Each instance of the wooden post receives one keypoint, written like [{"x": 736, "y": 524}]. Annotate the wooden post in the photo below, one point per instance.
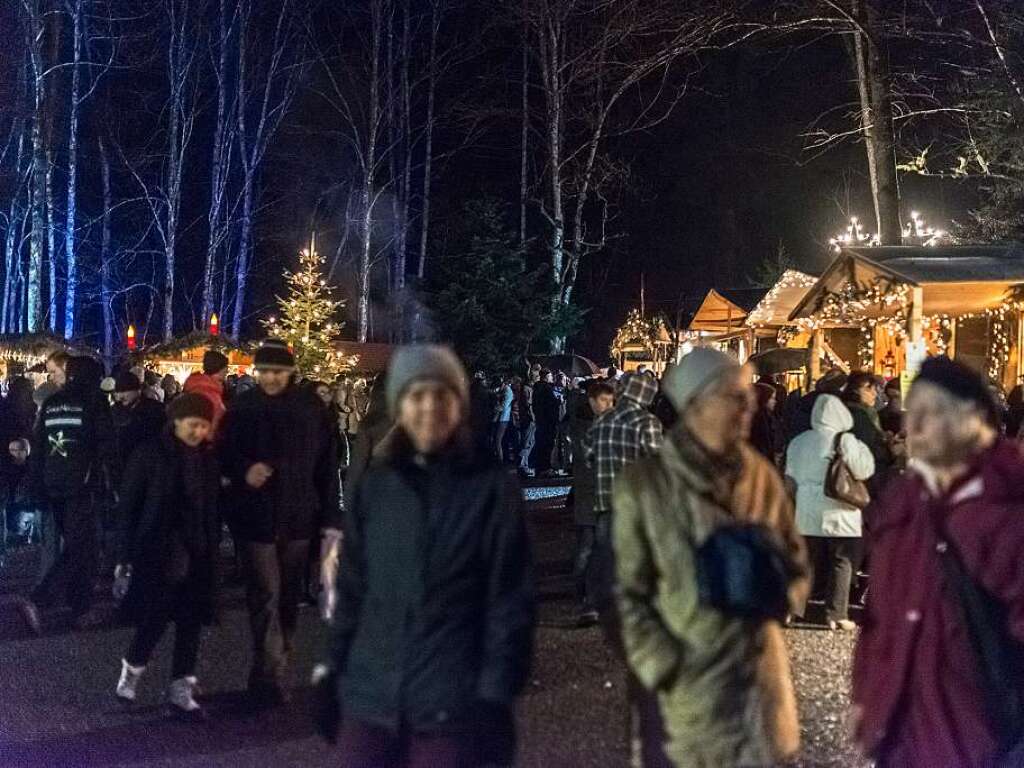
[
  {"x": 916, "y": 310},
  {"x": 814, "y": 365}
]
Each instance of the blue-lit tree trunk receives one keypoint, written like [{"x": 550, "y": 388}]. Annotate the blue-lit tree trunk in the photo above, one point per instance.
[
  {"x": 70, "y": 240},
  {"x": 33, "y": 311},
  {"x": 106, "y": 266},
  {"x": 51, "y": 245},
  {"x": 15, "y": 224},
  {"x": 223, "y": 141}
]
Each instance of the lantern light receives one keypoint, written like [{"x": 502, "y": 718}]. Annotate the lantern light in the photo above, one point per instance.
[
  {"x": 214, "y": 325},
  {"x": 131, "y": 337}
]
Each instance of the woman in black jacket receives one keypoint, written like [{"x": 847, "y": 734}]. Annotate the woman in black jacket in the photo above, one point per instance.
[
  {"x": 169, "y": 502},
  {"x": 433, "y": 628}
]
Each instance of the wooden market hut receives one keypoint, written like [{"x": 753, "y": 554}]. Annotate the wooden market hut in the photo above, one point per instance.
[
  {"x": 183, "y": 356},
  {"x": 21, "y": 353},
  {"x": 964, "y": 301},
  {"x": 719, "y": 319},
  {"x": 642, "y": 342},
  {"x": 781, "y": 346}
]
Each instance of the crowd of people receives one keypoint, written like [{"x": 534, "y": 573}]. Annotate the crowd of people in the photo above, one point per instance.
[{"x": 711, "y": 510}]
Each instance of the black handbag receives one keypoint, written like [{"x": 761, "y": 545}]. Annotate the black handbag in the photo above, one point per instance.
[
  {"x": 743, "y": 572},
  {"x": 999, "y": 657}
]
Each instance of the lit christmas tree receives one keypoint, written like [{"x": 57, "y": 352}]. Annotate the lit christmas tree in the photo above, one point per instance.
[{"x": 307, "y": 322}]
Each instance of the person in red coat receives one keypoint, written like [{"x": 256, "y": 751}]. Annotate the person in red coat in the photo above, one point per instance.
[
  {"x": 919, "y": 699},
  {"x": 210, "y": 384}
]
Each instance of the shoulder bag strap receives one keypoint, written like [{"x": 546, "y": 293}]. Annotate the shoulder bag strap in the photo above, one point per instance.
[{"x": 991, "y": 644}]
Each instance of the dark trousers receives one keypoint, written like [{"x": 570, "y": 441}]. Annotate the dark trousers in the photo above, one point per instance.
[
  {"x": 187, "y": 631},
  {"x": 367, "y": 746},
  {"x": 834, "y": 561},
  {"x": 73, "y": 574},
  {"x": 527, "y": 441},
  {"x": 498, "y": 430},
  {"x": 544, "y": 444},
  {"x": 647, "y": 735},
  {"x": 586, "y": 536},
  {"x": 273, "y": 575}
]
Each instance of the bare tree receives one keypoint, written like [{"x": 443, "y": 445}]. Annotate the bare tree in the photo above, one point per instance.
[
  {"x": 353, "y": 73},
  {"x": 163, "y": 195},
  {"x": 269, "y": 69},
  {"x": 876, "y": 119},
  {"x": 34, "y": 23},
  {"x": 20, "y": 170},
  {"x": 221, "y": 151},
  {"x": 434, "y": 64},
  {"x": 592, "y": 58}
]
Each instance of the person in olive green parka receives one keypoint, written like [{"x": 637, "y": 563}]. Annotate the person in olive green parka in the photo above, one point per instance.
[{"x": 722, "y": 685}]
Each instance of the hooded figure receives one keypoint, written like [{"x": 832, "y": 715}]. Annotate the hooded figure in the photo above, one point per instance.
[
  {"x": 210, "y": 384},
  {"x": 831, "y": 528}
]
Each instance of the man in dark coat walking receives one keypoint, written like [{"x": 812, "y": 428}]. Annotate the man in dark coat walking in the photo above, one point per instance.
[
  {"x": 137, "y": 420},
  {"x": 279, "y": 455},
  {"x": 72, "y": 451}
]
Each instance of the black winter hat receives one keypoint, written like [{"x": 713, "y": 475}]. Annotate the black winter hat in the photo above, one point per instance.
[
  {"x": 127, "y": 381},
  {"x": 961, "y": 382},
  {"x": 189, "y": 405},
  {"x": 214, "y": 362},
  {"x": 274, "y": 355}
]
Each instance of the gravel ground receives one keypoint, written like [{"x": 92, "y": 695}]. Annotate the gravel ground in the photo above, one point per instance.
[{"x": 61, "y": 713}]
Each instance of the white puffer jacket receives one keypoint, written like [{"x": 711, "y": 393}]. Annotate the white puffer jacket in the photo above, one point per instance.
[{"x": 807, "y": 460}]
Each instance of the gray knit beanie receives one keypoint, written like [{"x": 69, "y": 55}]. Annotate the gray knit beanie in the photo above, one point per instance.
[
  {"x": 694, "y": 373},
  {"x": 424, "y": 361}
]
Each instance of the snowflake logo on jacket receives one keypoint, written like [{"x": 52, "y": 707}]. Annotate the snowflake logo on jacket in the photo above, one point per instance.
[{"x": 59, "y": 445}]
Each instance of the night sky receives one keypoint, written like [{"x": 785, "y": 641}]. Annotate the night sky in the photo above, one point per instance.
[{"x": 715, "y": 189}]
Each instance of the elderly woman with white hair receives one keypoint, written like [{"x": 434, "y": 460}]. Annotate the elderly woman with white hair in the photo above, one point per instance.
[{"x": 707, "y": 648}]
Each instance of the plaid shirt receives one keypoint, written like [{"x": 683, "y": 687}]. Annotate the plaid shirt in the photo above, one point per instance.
[{"x": 624, "y": 434}]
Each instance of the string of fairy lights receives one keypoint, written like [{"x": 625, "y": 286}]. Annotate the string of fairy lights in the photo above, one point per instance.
[
  {"x": 914, "y": 232},
  {"x": 850, "y": 306}
]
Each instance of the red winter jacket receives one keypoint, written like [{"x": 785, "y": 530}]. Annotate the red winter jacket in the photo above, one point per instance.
[
  {"x": 213, "y": 390},
  {"x": 915, "y": 676}
]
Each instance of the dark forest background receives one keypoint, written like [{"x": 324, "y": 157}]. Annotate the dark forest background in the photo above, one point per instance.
[{"x": 161, "y": 160}]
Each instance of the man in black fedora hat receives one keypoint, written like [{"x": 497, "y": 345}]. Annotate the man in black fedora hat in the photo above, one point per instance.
[{"x": 280, "y": 459}]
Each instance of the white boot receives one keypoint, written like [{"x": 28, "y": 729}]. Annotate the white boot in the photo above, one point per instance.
[
  {"x": 181, "y": 696},
  {"x": 129, "y": 681}
]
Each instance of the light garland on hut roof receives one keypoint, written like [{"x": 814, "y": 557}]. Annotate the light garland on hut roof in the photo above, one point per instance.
[{"x": 765, "y": 309}]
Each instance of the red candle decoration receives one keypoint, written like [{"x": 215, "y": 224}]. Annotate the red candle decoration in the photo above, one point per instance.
[
  {"x": 131, "y": 337},
  {"x": 214, "y": 325}
]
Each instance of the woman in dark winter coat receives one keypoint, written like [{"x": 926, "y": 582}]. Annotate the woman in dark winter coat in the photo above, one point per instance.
[
  {"x": 169, "y": 502},
  {"x": 435, "y": 611},
  {"x": 18, "y": 412},
  {"x": 860, "y": 396},
  {"x": 763, "y": 425}
]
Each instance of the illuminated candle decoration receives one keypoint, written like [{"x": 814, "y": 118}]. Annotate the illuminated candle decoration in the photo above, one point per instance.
[{"x": 131, "y": 337}]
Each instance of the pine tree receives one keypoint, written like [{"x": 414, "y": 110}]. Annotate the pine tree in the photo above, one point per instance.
[
  {"x": 307, "y": 322},
  {"x": 485, "y": 300}
]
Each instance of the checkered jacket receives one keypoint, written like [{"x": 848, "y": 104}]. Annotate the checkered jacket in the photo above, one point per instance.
[{"x": 622, "y": 435}]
